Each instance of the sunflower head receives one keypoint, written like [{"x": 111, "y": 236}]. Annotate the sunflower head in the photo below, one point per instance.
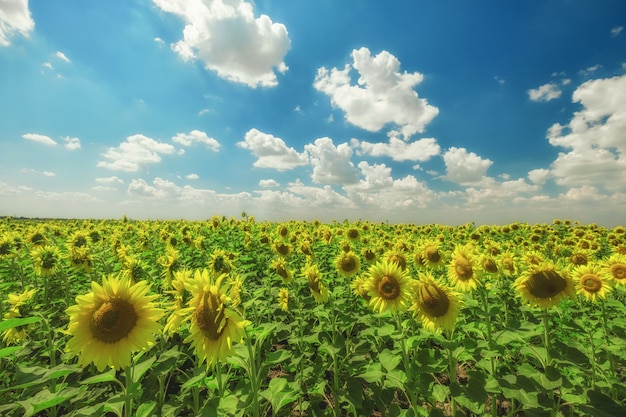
[
  {"x": 591, "y": 281},
  {"x": 615, "y": 266},
  {"x": 462, "y": 271},
  {"x": 347, "y": 263},
  {"x": 283, "y": 299},
  {"x": 388, "y": 287},
  {"x": 280, "y": 266},
  {"x": 113, "y": 320},
  {"x": 397, "y": 257},
  {"x": 431, "y": 255},
  {"x": 47, "y": 259},
  {"x": 436, "y": 304},
  {"x": 542, "y": 285}
]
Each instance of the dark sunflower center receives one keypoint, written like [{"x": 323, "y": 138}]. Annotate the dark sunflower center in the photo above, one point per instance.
[
  {"x": 369, "y": 254},
  {"x": 618, "y": 271},
  {"x": 282, "y": 249},
  {"x": 113, "y": 321},
  {"x": 37, "y": 239},
  {"x": 434, "y": 300},
  {"x": 314, "y": 285},
  {"x": 80, "y": 241},
  {"x": 432, "y": 254},
  {"x": 210, "y": 317},
  {"x": 463, "y": 269},
  {"x": 48, "y": 260},
  {"x": 546, "y": 284},
  {"x": 490, "y": 266},
  {"x": 579, "y": 259},
  {"x": 5, "y": 248},
  {"x": 353, "y": 234},
  {"x": 591, "y": 283},
  {"x": 399, "y": 259},
  {"x": 348, "y": 264},
  {"x": 282, "y": 272},
  {"x": 388, "y": 288}
]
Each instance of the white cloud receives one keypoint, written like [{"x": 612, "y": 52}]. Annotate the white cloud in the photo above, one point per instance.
[
  {"x": 110, "y": 180},
  {"x": 71, "y": 144},
  {"x": 160, "y": 41},
  {"x": 595, "y": 137},
  {"x": 188, "y": 139},
  {"x": 617, "y": 30},
  {"x": 545, "y": 92},
  {"x": 14, "y": 18},
  {"x": 34, "y": 171},
  {"x": 192, "y": 176},
  {"x": 331, "y": 165},
  {"x": 161, "y": 189},
  {"x": 228, "y": 39},
  {"x": 420, "y": 150},
  {"x": 381, "y": 191},
  {"x": 35, "y": 137},
  {"x": 137, "y": 151},
  {"x": 463, "y": 167},
  {"x": 269, "y": 183},
  {"x": 539, "y": 176},
  {"x": 62, "y": 57},
  {"x": 47, "y": 65},
  {"x": 271, "y": 152},
  {"x": 382, "y": 95}
]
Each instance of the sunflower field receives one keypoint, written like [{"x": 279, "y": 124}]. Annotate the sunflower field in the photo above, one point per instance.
[{"x": 238, "y": 317}]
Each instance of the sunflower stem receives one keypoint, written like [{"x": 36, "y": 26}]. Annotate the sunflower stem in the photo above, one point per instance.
[
  {"x": 452, "y": 363},
  {"x": 253, "y": 375},
  {"x": 483, "y": 297},
  {"x": 128, "y": 391},
  {"x": 546, "y": 337},
  {"x": 605, "y": 327}
]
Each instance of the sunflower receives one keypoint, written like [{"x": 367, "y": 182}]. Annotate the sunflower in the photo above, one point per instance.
[
  {"x": 319, "y": 291},
  {"x": 436, "y": 304},
  {"x": 462, "y": 271},
  {"x": 369, "y": 255},
  {"x": 214, "y": 326},
  {"x": 111, "y": 321},
  {"x": 6, "y": 245},
  {"x": 236, "y": 283},
  {"x": 591, "y": 281},
  {"x": 396, "y": 256},
  {"x": 388, "y": 287},
  {"x": 179, "y": 291},
  {"x": 359, "y": 288},
  {"x": 347, "y": 263},
  {"x": 281, "y": 248},
  {"x": 430, "y": 255},
  {"x": 16, "y": 335},
  {"x": 615, "y": 266},
  {"x": 280, "y": 266},
  {"x": 170, "y": 262},
  {"x": 283, "y": 299},
  {"x": 220, "y": 262},
  {"x": 543, "y": 285},
  {"x": 46, "y": 259}
]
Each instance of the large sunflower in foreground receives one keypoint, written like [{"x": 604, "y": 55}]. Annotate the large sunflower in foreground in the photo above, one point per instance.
[
  {"x": 113, "y": 320},
  {"x": 592, "y": 281},
  {"x": 436, "y": 304},
  {"x": 214, "y": 325},
  {"x": 542, "y": 285},
  {"x": 388, "y": 286}
]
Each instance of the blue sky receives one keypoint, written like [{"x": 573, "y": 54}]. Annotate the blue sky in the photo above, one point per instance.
[{"x": 445, "y": 112}]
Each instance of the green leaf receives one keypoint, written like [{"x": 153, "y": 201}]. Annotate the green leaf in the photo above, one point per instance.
[
  {"x": 44, "y": 399},
  {"x": 140, "y": 369},
  {"x": 389, "y": 360},
  {"x": 277, "y": 356},
  {"x": 34, "y": 375},
  {"x": 279, "y": 394},
  {"x": 9, "y": 351},
  {"x": 19, "y": 321},
  {"x": 601, "y": 405},
  {"x": 115, "y": 404},
  {"x": 108, "y": 376},
  {"x": 145, "y": 409},
  {"x": 373, "y": 373},
  {"x": 386, "y": 330}
]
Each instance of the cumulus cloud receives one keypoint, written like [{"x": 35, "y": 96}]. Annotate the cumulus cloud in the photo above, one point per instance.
[
  {"x": 136, "y": 152},
  {"x": 617, "y": 30},
  {"x": 539, "y": 176},
  {"x": 188, "y": 139},
  {"x": 464, "y": 167},
  {"x": 35, "y": 137},
  {"x": 331, "y": 164},
  {"x": 71, "y": 144},
  {"x": 269, "y": 183},
  {"x": 380, "y": 190},
  {"x": 14, "y": 18},
  {"x": 545, "y": 92},
  {"x": 228, "y": 39},
  {"x": 192, "y": 176},
  {"x": 398, "y": 150},
  {"x": 595, "y": 137},
  {"x": 161, "y": 189},
  {"x": 271, "y": 152},
  {"x": 382, "y": 94},
  {"x": 110, "y": 180},
  {"x": 34, "y": 171}
]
